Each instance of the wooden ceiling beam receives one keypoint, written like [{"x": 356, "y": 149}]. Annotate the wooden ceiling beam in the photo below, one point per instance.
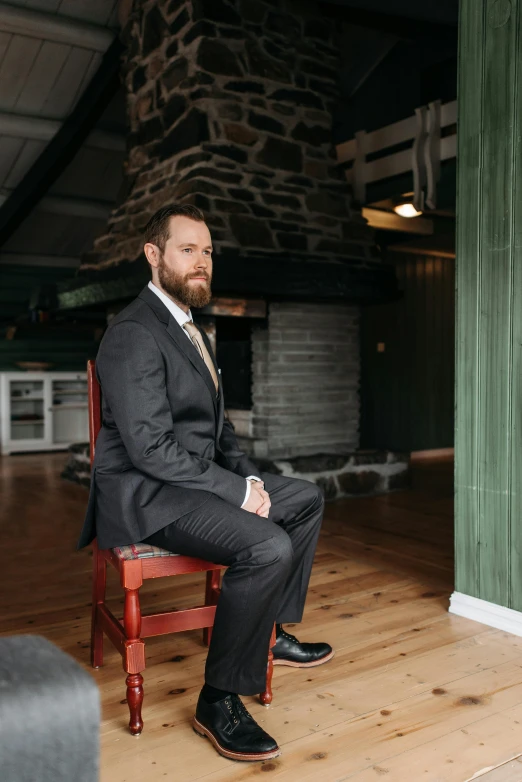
[
  {"x": 53, "y": 27},
  {"x": 71, "y": 206},
  {"x": 42, "y": 129},
  {"x": 266, "y": 277},
  {"x": 389, "y": 221}
]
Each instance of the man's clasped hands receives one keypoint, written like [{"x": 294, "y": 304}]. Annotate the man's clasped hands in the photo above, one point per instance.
[{"x": 258, "y": 501}]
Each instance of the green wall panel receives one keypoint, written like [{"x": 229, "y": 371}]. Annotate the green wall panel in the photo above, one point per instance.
[
  {"x": 515, "y": 510},
  {"x": 489, "y": 299},
  {"x": 495, "y": 316},
  {"x": 467, "y": 275}
]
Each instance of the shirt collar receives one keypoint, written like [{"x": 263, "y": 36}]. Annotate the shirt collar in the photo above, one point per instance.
[{"x": 173, "y": 308}]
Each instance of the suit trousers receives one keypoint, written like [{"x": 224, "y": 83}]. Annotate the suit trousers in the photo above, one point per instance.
[{"x": 268, "y": 560}]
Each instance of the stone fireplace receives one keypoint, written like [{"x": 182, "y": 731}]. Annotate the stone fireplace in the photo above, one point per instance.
[
  {"x": 230, "y": 107},
  {"x": 306, "y": 380}
]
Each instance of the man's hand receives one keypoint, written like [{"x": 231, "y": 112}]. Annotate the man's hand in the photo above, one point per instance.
[{"x": 258, "y": 501}]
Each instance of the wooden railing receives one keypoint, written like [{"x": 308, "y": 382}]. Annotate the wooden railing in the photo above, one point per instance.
[{"x": 430, "y": 145}]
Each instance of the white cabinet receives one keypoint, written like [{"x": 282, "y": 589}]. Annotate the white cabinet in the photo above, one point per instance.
[{"x": 42, "y": 411}]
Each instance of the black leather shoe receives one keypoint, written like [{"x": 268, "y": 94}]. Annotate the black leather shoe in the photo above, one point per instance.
[
  {"x": 289, "y": 651},
  {"x": 232, "y": 731}
]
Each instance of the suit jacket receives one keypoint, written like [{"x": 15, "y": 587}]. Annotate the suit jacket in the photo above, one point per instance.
[{"x": 164, "y": 447}]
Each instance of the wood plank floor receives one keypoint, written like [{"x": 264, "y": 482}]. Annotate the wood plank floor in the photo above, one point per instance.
[{"x": 412, "y": 694}]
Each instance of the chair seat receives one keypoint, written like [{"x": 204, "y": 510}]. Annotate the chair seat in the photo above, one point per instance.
[{"x": 141, "y": 551}]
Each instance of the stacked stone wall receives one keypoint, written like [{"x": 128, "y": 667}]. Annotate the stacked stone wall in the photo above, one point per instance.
[
  {"x": 306, "y": 375},
  {"x": 230, "y": 107}
]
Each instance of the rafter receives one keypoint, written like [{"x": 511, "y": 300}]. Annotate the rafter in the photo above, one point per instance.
[
  {"x": 389, "y": 221},
  {"x": 42, "y": 129},
  {"x": 71, "y": 206},
  {"x": 52, "y": 27}
]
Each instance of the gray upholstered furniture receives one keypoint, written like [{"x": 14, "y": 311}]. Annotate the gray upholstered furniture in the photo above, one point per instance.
[{"x": 49, "y": 714}]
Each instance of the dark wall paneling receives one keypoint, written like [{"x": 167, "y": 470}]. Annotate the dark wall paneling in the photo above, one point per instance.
[{"x": 407, "y": 391}]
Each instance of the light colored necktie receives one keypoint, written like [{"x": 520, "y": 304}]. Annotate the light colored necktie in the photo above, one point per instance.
[{"x": 197, "y": 339}]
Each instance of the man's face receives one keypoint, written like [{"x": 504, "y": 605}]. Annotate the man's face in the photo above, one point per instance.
[{"x": 185, "y": 267}]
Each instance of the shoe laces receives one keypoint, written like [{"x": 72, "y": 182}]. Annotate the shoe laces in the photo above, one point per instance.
[
  {"x": 284, "y": 634},
  {"x": 236, "y": 707},
  {"x": 242, "y": 708}
]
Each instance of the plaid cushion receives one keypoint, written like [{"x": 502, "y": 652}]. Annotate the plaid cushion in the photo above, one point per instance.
[{"x": 141, "y": 551}]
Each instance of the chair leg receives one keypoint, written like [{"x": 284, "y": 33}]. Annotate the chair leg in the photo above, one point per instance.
[
  {"x": 266, "y": 696},
  {"x": 211, "y": 598},
  {"x": 134, "y": 659},
  {"x": 99, "y": 580},
  {"x": 134, "y": 682}
]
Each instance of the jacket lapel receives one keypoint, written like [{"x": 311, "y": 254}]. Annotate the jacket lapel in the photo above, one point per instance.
[
  {"x": 221, "y": 411},
  {"x": 185, "y": 345}
]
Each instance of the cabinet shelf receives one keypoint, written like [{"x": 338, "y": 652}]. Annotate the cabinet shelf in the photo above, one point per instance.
[
  {"x": 60, "y": 392},
  {"x": 31, "y": 421},
  {"x": 70, "y": 406}
]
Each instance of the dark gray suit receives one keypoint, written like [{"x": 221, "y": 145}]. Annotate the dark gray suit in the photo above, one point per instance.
[{"x": 168, "y": 470}]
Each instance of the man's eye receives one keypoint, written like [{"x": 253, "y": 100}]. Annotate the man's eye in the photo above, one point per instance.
[
  {"x": 207, "y": 252},
  {"x": 187, "y": 250}
]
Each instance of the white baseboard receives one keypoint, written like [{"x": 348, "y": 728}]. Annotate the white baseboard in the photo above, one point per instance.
[{"x": 487, "y": 613}]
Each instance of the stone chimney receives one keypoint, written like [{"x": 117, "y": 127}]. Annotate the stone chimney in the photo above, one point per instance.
[{"x": 230, "y": 108}]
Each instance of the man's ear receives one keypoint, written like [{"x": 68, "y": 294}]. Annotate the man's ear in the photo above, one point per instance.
[{"x": 152, "y": 253}]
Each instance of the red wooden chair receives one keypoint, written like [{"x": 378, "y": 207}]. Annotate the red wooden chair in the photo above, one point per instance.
[{"x": 136, "y": 563}]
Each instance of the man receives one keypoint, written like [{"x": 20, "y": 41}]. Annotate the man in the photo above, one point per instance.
[{"x": 168, "y": 471}]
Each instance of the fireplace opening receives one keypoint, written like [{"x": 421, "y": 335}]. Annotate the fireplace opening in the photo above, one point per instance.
[{"x": 234, "y": 358}]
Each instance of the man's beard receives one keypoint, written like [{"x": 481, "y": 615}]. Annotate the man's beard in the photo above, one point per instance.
[{"x": 178, "y": 286}]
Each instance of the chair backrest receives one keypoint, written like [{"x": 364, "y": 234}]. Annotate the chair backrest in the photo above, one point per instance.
[{"x": 94, "y": 405}]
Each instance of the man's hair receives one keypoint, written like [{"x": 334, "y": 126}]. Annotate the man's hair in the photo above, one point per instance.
[{"x": 157, "y": 229}]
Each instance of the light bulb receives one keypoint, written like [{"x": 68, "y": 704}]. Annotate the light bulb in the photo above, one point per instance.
[{"x": 406, "y": 210}]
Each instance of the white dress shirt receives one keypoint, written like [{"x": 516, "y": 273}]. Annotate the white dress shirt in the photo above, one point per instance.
[{"x": 182, "y": 318}]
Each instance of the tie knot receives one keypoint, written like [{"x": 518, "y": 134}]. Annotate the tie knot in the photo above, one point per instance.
[{"x": 191, "y": 328}]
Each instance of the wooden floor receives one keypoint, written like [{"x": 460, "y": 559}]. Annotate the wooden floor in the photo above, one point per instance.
[{"x": 412, "y": 694}]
